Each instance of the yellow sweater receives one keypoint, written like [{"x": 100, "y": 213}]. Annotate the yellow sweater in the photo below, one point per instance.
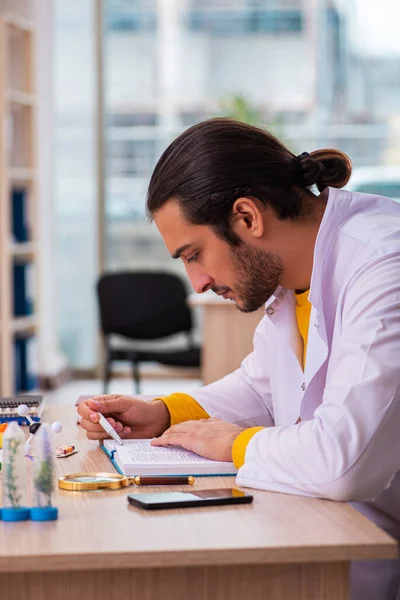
[
  {"x": 182, "y": 407},
  {"x": 303, "y": 310}
]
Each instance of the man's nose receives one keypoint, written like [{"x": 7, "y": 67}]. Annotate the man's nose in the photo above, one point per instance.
[{"x": 201, "y": 282}]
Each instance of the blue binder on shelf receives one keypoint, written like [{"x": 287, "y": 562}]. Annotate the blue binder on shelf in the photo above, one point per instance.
[
  {"x": 25, "y": 360},
  {"x": 23, "y": 302},
  {"x": 20, "y": 227}
]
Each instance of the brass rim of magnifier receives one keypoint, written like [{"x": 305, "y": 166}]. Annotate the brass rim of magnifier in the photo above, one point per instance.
[{"x": 119, "y": 481}]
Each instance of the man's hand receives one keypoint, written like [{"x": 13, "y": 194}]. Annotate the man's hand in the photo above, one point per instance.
[
  {"x": 211, "y": 438},
  {"x": 130, "y": 417}
]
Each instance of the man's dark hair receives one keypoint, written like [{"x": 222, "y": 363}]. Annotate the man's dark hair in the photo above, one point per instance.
[{"x": 212, "y": 164}]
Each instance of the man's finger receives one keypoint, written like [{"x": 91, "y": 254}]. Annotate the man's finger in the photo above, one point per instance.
[
  {"x": 110, "y": 405},
  {"x": 172, "y": 439},
  {"x": 90, "y": 426},
  {"x": 92, "y": 405},
  {"x": 84, "y": 410},
  {"x": 104, "y": 397}
]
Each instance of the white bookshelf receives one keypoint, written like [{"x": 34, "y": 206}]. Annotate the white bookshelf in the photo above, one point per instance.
[{"x": 17, "y": 170}]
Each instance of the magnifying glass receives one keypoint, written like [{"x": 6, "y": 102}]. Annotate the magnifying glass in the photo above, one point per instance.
[{"x": 84, "y": 482}]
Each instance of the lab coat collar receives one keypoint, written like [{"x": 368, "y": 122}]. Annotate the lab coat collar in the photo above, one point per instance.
[
  {"x": 276, "y": 296},
  {"x": 337, "y": 202},
  {"x": 333, "y": 216}
]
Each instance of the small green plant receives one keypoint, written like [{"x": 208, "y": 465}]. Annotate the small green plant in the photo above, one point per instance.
[
  {"x": 10, "y": 482},
  {"x": 43, "y": 481}
]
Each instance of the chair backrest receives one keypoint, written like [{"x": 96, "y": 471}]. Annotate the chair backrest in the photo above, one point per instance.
[{"x": 143, "y": 305}]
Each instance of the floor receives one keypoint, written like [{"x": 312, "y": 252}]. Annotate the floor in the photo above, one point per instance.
[{"x": 68, "y": 393}]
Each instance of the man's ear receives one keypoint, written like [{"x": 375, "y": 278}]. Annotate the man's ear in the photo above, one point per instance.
[{"x": 247, "y": 218}]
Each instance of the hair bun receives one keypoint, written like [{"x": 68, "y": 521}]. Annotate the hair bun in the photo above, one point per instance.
[{"x": 309, "y": 170}]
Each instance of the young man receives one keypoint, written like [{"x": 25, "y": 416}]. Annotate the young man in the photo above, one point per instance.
[{"x": 315, "y": 409}]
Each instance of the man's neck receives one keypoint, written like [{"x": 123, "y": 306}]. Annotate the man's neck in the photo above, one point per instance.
[{"x": 298, "y": 248}]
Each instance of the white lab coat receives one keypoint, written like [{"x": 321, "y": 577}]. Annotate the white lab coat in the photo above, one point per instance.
[{"x": 347, "y": 446}]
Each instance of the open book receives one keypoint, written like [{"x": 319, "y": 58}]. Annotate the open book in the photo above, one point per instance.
[{"x": 138, "y": 457}]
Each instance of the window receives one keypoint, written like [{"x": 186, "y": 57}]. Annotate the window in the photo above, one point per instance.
[{"x": 75, "y": 188}]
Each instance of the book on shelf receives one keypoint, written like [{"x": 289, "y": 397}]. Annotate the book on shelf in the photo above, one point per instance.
[
  {"x": 138, "y": 457},
  {"x": 23, "y": 292},
  {"x": 25, "y": 363},
  {"x": 19, "y": 211}
]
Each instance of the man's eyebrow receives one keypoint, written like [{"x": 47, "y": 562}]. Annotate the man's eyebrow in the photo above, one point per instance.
[{"x": 179, "y": 250}]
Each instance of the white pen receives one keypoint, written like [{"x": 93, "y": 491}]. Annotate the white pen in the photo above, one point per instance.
[{"x": 110, "y": 430}]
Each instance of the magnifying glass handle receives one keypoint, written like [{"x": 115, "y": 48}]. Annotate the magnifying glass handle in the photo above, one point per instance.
[{"x": 162, "y": 480}]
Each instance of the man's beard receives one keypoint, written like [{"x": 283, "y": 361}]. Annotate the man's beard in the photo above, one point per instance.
[{"x": 257, "y": 275}]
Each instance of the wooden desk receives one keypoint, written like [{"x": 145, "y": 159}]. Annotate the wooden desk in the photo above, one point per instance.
[
  {"x": 227, "y": 335},
  {"x": 102, "y": 549}
]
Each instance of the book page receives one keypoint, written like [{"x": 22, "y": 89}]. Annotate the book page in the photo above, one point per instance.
[{"x": 141, "y": 452}]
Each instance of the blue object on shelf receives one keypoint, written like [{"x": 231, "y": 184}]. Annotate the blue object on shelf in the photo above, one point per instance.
[
  {"x": 31, "y": 376},
  {"x": 25, "y": 375},
  {"x": 18, "y": 365},
  {"x": 19, "y": 215},
  {"x": 23, "y": 303}
]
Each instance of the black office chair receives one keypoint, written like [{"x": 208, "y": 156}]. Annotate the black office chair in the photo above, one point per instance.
[{"x": 144, "y": 306}]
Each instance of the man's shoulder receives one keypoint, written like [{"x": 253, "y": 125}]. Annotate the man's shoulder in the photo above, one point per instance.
[{"x": 373, "y": 222}]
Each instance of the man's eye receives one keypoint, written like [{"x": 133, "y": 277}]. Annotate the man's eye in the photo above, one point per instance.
[{"x": 193, "y": 258}]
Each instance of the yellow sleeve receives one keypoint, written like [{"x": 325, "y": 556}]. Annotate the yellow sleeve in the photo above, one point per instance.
[
  {"x": 182, "y": 407},
  {"x": 240, "y": 445}
]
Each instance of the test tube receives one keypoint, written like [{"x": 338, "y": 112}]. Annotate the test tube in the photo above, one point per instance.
[
  {"x": 14, "y": 475},
  {"x": 43, "y": 476}
]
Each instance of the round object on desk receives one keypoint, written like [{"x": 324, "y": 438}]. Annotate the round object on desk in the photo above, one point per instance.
[
  {"x": 44, "y": 513},
  {"x": 12, "y": 514},
  {"x": 56, "y": 427},
  {"x": 83, "y": 482}
]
